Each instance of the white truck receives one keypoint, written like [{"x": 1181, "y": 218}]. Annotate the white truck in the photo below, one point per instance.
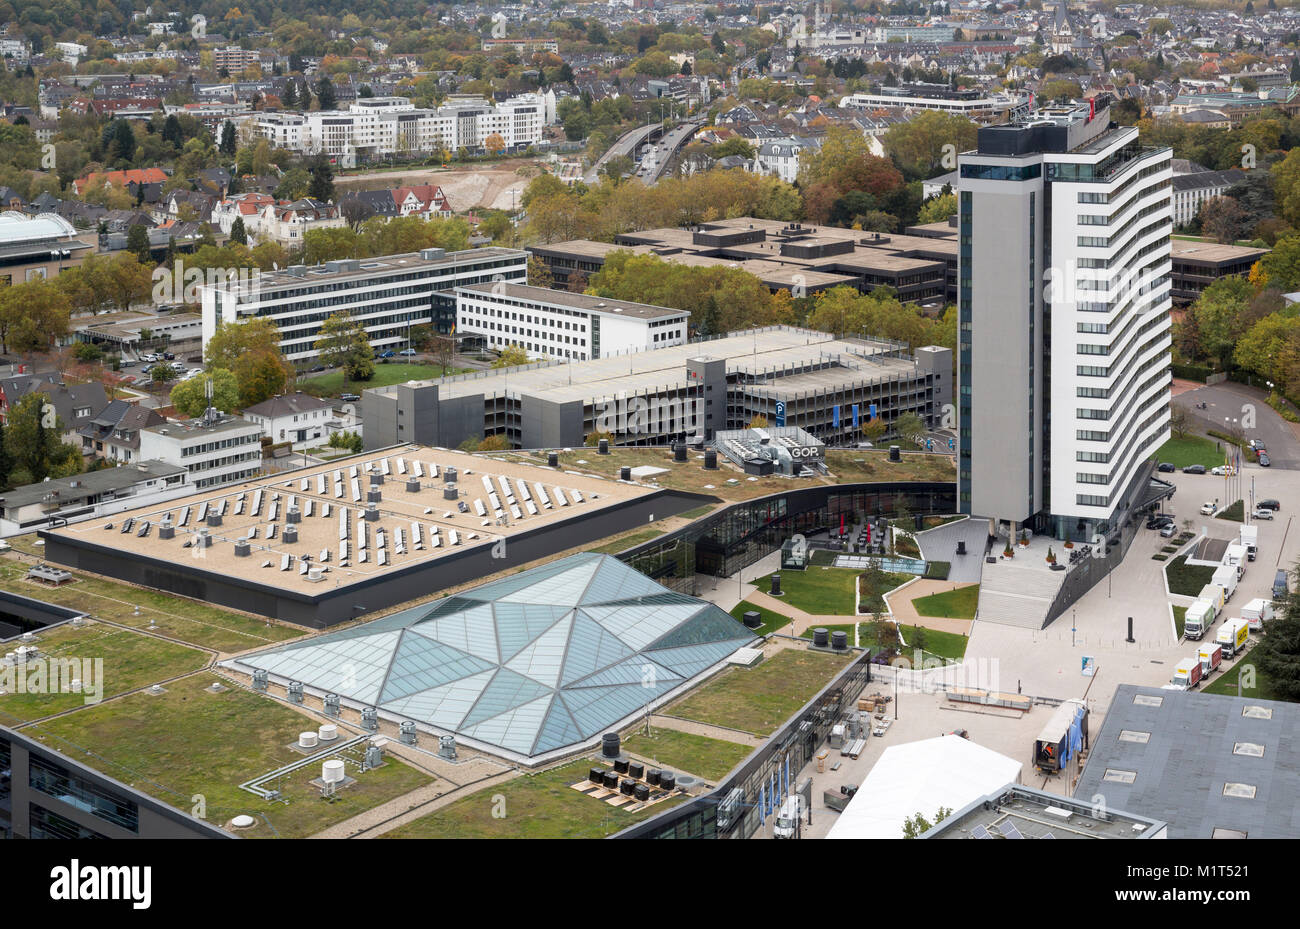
[
  {"x": 1256, "y": 613},
  {"x": 1215, "y": 594},
  {"x": 1226, "y": 577},
  {"x": 1235, "y": 555},
  {"x": 1198, "y": 619},
  {"x": 1250, "y": 539}
]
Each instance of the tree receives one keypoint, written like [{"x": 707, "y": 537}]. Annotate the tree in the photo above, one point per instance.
[
  {"x": 511, "y": 356},
  {"x": 907, "y": 426},
  {"x": 349, "y": 440},
  {"x": 494, "y": 144},
  {"x": 190, "y": 398},
  {"x": 1225, "y": 219},
  {"x": 759, "y": 421},
  {"x": 1278, "y": 653},
  {"x": 927, "y": 145},
  {"x": 251, "y": 350},
  {"x": 539, "y": 273},
  {"x": 1178, "y": 421},
  {"x": 325, "y": 93},
  {"x": 937, "y": 209},
  {"x": 229, "y": 142},
  {"x": 137, "y": 242},
  {"x": 33, "y": 316},
  {"x": 290, "y": 96},
  {"x": 33, "y": 439},
  {"x": 343, "y": 343},
  {"x": 161, "y": 373},
  {"x": 322, "y": 179},
  {"x": 916, "y": 826},
  {"x": 238, "y": 233}
]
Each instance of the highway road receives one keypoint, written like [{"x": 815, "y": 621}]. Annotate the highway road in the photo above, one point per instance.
[{"x": 657, "y": 159}]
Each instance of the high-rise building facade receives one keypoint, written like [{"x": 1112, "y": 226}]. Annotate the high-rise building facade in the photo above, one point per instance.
[{"x": 1063, "y": 320}]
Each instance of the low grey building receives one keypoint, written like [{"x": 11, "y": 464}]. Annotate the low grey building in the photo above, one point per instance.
[
  {"x": 1210, "y": 766},
  {"x": 788, "y": 376}
]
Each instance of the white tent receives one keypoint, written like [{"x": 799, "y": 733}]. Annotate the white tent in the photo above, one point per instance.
[{"x": 920, "y": 777}]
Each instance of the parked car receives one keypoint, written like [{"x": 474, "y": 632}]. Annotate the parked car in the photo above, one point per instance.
[
  {"x": 1194, "y": 469},
  {"x": 350, "y": 398},
  {"x": 1168, "y": 531},
  {"x": 1207, "y": 509},
  {"x": 388, "y": 354},
  {"x": 1166, "y": 466},
  {"x": 168, "y": 356},
  {"x": 193, "y": 372},
  {"x": 316, "y": 370},
  {"x": 1263, "y": 512},
  {"x": 1258, "y": 446},
  {"x": 408, "y": 351},
  {"x": 1223, "y": 471},
  {"x": 1264, "y": 460},
  {"x": 1269, "y": 504},
  {"x": 1159, "y": 522}
]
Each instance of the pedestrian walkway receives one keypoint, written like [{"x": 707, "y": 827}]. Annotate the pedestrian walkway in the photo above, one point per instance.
[{"x": 903, "y": 611}]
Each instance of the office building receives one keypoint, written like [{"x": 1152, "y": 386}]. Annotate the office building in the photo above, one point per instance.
[
  {"x": 388, "y": 295},
  {"x": 556, "y": 324},
  {"x": 971, "y": 103},
  {"x": 1064, "y": 328},
  {"x": 825, "y": 385},
  {"x": 213, "y": 451}
]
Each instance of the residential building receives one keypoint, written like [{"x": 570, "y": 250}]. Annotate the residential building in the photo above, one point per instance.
[
  {"x": 388, "y": 295},
  {"x": 295, "y": 418},
  {"x": 62, "y": 500},
  {"x": 1190, "y": 191},
  {"x": 114, "y": 432},
  {"x": 1064, "y": 389},
  {"x": 215, "y": 450},
  {"x": 558, "y": 324}
]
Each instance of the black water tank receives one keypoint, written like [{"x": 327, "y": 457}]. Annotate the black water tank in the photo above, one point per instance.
[
  {"x": 596, "y": 775},
  {"x": 679, "y": 453},
  {"x": 609, "y": 745},
  {"x": 652, "y": 777},
  {"x": 635, "y": 769},
  {"x": 626, "y": 786},
  {"x": 895, "y": 454},
  {"x": 625, "y": 474},
  {"x": 776, "y": 585},
  {"x": 711, "y": 460},
  {"x": 610, "y": 780},
  {"x": 839, "y": 640},
  {"x": 641, "y": 792},
  {"x": 620, "y": 764},
  {"x": 821, "y": 637},
  {"x": 668, "y": 780},
  {"x": 753, "y": 619},
  {"x": 553, "y": 459},
  {"x": 602, "y": 447}
]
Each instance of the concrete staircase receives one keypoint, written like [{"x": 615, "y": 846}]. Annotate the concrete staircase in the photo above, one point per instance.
[{"x": 1017, "y": 595}]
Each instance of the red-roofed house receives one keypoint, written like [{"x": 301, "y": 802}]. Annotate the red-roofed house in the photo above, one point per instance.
[{"x": 119, "y": 178}]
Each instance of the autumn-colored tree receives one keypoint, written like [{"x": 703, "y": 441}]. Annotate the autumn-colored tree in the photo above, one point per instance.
[{"x": 251, "y": 351}]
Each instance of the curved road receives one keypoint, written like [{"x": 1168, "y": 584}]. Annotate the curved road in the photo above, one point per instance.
[{"x": 657, "y": 161}]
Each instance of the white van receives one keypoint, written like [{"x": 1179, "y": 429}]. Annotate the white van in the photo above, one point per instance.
[{"x": 787, "y": 821}]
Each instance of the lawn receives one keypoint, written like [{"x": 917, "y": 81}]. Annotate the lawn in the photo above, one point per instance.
[
  {"x": 877, "y": 635},
  {"x": 760, "y": 699},
  {"x": 1180, "y": 614},
  {"x": 330, "y": 384},
  {"x": 130, "y": 660},
  {"x": 772, "y": 620},
  {"x": 534, "y": 806},
  {"x": 1234, "y": 512},
  {"x": 950, "y": 604},
  {"x": 1226, "y": 683},
  {"x": 1187, "y": 580},
  {"x": 846, "y": 628},
  {"x": 189, "y": 621},
  {"x": 687, "y": 752},
  {"x": 1190, "y": 450},
  {"x": 820, "y": 591},
  {"x": 190, "y": 742}
]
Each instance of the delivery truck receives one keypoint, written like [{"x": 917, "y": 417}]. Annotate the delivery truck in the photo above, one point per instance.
[
  {"x": 1250, "y": 539},
  {"x": 787, "y": 820},
  {"x": 1215, "y": 594},
  {"x": 1232, "y": 636},
  {"x": 1211, "y": 656},
  {"x": 1256, "y": 613},
  {"x": 1198, "y": 619},
  {"x": 1235, "y": 555},
  {"x": 1226, "y": 577},
  {"x": 1187, "y": 674}
]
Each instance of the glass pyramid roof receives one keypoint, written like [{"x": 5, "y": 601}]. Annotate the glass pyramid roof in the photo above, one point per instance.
[{"x": 529, "y": 664}]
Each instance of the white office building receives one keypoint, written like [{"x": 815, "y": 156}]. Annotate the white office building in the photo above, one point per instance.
[
  {"x": 388, "y": 295},
  {"x": 556, "y": 324},
  {"x": 213, "y": 451},
  {"x": 973, "y": 104},
  {"x": 1063, "y": 321}
]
